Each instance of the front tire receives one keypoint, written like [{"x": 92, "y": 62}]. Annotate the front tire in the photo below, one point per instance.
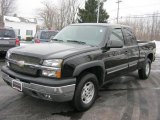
[
  {"x": 145, "y": 71},
  {"x": 86, "y": 92}
]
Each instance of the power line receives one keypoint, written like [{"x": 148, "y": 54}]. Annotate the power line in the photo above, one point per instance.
[
  {"x": 118, "y": 2},
  {"x": 135, "y": 17},
  {"x": 141, "y": 17},
  {"x": 141, "y": 6},
  {"x": 135, "y": 7}
]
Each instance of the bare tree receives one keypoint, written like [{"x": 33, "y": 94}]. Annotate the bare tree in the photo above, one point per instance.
[
  {"x": 68, "y": 11},
  {"x": 145, "y": 27},
  {"x": 48, "y": 13},
  {"x": 57, "y": 17},
  {"x": 6, "y": 7}
]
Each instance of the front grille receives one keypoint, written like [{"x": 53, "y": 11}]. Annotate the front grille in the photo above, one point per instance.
[
  {"x": 25, "y": 69},
  {"x": 27, "y": 59}
]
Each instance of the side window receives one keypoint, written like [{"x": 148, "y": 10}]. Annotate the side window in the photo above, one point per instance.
[
  {"x": 117, "y": 35},
  {"x": 130, "y": 37}
]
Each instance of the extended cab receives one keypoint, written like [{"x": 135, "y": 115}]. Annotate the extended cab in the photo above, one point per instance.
[{"x": 81, "y": 59}]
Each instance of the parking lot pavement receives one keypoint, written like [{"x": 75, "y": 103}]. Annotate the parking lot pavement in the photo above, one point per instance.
[{"x": 126, "y": 98}]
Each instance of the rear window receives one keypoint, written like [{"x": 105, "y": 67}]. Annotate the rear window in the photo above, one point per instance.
[
  {"x": 47, "y": 34},
  {"x": 7, "y": 33}
]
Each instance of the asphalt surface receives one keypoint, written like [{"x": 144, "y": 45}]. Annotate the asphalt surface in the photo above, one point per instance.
[{"x": 126, "y": 98}]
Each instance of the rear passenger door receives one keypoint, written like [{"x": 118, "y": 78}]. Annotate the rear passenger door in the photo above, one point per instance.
[{"x": 132, "y": 48}]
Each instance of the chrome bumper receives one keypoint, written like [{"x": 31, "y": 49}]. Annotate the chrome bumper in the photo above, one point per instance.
[{"x": 58, "y": 94}]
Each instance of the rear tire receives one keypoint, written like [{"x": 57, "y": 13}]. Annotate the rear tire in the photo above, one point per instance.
[
  {"x": 145, "y": 71},
  {"x": 86, "y": 92}
]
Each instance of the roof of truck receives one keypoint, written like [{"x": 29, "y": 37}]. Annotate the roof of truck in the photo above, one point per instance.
[{"x": 101, "y": 24}]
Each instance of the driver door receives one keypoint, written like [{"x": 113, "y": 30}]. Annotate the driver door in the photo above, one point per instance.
[{"x": 116, "y": 59}]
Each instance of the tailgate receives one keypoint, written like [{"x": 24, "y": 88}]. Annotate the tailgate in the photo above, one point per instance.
[{"x": 7, "y": 42}]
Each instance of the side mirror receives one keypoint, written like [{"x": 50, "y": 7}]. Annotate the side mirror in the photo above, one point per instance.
[{"x": 115, "y": 44}]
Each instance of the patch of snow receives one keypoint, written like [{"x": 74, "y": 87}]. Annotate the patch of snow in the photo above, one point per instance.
[
  {"x": 20, "y": 19},
  {"x": 32, "y": 20},
  {"x": 25, "y": 43},
  {"x": 157, "y": 47},
  {"x": 13, "y": 19}
]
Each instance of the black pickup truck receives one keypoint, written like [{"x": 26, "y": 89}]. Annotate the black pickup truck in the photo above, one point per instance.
[{"x": 80, "y": 60}]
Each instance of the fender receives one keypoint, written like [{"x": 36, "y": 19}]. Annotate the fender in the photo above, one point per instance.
[
  {"x": 82, "y": 67},
  {"x": 150, "y": 52}
]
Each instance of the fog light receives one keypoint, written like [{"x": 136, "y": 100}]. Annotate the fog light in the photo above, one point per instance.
[
  {"x": 51, "y": 73},
  {"x": 48, "y": 73}
]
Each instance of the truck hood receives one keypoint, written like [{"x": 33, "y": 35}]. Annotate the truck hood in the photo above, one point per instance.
[{"x": 53, "y": 50}]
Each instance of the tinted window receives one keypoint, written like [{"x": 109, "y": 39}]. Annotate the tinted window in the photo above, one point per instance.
[
  {"x": 47, "y": 34},
  {"x": 117, "y": 35},
  {"x": 7, "y": 33},
  {"x": 92, "y": 35},
  {"x": 130, "y": 37}
]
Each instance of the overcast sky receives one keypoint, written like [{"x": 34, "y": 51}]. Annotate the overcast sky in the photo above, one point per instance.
[{"x": 29, "y": 8}]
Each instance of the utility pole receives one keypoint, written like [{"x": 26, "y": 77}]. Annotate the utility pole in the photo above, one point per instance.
[
  {"x": 118, "y": 2},
  {"x": 98, "y": 11},
  {"x": 99, "y": 2}
]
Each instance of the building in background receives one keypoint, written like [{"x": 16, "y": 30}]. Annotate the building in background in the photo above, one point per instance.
[{"x": 24, "y": 27}]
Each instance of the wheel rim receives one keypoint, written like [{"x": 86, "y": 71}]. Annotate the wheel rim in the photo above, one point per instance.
[
  {"x": 87, "y": 93},
  {"x": 147, "y": 69}
]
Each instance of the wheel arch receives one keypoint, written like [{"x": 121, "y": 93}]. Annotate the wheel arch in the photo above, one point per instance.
[
  {"x": 150, "y": 56},
  {"x": 96, "y": 67}
]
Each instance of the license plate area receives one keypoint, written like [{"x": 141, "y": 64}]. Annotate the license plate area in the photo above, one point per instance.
[
  {"x": 4, "y": 42},
  {"x": 17, "y": 85}
]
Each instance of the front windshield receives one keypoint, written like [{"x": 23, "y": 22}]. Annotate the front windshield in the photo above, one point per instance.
[{"x": 91, "y": 35}]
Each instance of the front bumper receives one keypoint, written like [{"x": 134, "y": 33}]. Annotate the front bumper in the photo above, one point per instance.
[{"x": 46, "y": 92}]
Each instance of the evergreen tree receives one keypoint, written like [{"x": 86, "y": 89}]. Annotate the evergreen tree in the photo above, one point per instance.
[{"x": 89, "y": 14}]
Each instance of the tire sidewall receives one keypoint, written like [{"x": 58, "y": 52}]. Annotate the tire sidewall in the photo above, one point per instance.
[
  {"x": 147, "y": 62},
  {"x": 80, "y": 106}
]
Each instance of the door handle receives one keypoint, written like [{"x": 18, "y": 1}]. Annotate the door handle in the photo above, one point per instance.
[{"x": 126, "y": 52}]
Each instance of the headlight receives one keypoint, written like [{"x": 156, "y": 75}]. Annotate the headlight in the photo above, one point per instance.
[
  {"x": 8, "y": 56},
  {"x": 55, "y": 63}
]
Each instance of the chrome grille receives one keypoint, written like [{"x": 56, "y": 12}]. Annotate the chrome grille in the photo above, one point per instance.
[
  {"x": 27, "y": 59},
  {"x": 25, "y": 69}
]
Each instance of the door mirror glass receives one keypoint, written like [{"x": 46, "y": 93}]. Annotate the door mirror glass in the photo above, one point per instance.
[{"x": 115, "y": 44}]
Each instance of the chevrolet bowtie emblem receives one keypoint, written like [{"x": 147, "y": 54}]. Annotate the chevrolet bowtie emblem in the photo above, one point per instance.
[{"x": 21, "y": 63}]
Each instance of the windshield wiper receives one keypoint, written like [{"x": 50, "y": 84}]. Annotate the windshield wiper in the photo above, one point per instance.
[
  {"x": 75, "y": 41},
  {"x": 57, "y": 40}
]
